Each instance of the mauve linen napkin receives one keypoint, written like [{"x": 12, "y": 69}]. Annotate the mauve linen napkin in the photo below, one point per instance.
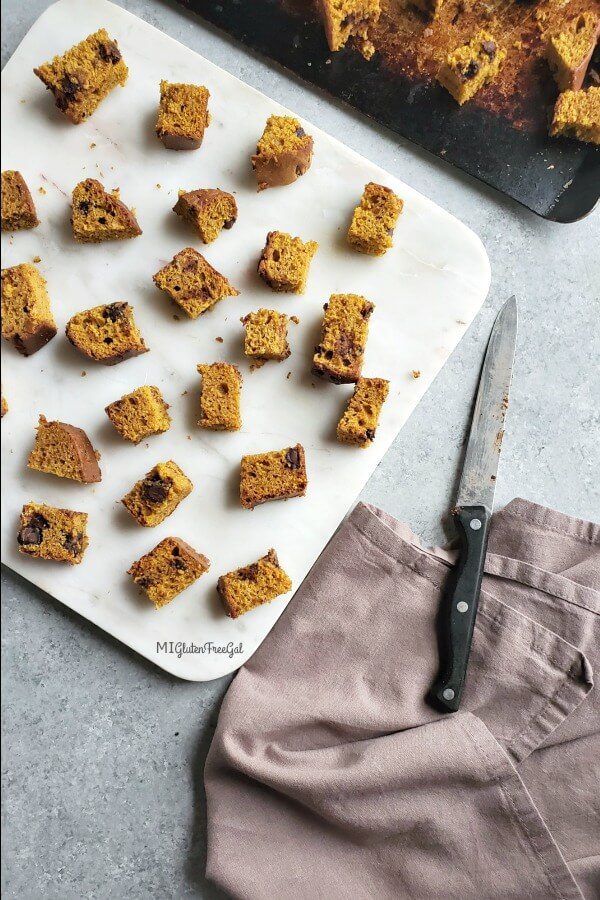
[{"x": 329, "y": 775}]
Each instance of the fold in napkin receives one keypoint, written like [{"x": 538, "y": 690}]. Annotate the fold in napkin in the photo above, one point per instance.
[{"x": 329, "y": 775}]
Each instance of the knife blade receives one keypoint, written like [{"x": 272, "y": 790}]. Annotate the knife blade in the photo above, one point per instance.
[{"x": 473, "y": 510}]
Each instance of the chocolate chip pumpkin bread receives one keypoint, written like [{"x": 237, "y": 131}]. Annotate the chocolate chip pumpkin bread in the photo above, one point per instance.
[
  {"x": 182, "y": 115},
  {"x": 340, "y": 353},
  {"x": 170, "y": 568},
  {"x": 65, "y": 451},
  {"x": 18, "y": 208},
  {"x": 82, "y": 77},
  {"x": 278, "y": 475},
  {"x": 471, "y": 66},
  {"x": 374, "y": 219},
  {"x": 577, "y": 115},
  {"x": 220, "y": 397},
  {"x": 27, "y": 320},
  {"x": 569, "y": 50},
  {"x": 359, "y": 421},
  {"x": 158, "y": 494},
  {"x": 266, "y": 335},
  {"x": 251, "y": 586},
  {"x": 192, "y": 283},
  {"x": 140, "y": 414},
  {"x": 208, "y": 210},
  {"x": 107, "y": 334},
  {"x": 55, "y": 534},
  {"x": 350, "y": 18},
  {"x": 283, "y": 154},
  {"x": 97, "y": 215},
  {"x": 285, "y": 261}
]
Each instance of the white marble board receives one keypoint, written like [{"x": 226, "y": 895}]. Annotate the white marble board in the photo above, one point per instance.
[{"x": 427, "y": 290}]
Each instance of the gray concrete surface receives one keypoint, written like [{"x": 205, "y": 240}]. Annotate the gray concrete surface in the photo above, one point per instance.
[{"x": 103, "y": 754}]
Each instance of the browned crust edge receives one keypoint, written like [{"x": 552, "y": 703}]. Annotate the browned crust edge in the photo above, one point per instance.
[
  {"x": 278, "y": 171},
  {"x": 28, "y": 343},
  {"x": 82, "y": 446}
]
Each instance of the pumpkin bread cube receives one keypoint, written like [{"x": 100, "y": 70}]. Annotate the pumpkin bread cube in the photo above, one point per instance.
[
  {"x": 191, "y": 282},
  {"x": 283, "y": 153},
  {"x": 344, "y": 19},
  {"x": 251, "y": 586},
  {"x": 140, "y": 414},
  {"x": 569, "y": 50},
  {"x": 18, "y": 208},
  {"x": 220, "y": 397},
  {"x": 27, "y": 320},
  {"x": 182, "y": 115},
  {"x": 97, "y": 215},
  {"x": 577, "y": 115},
  {"x": 208, "y": 210},
  {"x": 65, "y": 451},
  {"x": 82, "y": 77},
  {"x": 59, "y": 535},
  {"x": 359, "y": 421},
  {"x": 340, "y": 353},
  {"x": 471, "y": 66},
  {"x": 158, "y": 494},
  {"x": 168, "y": 569},
  {"x": 278, "y": 475},
  {"x": 285, "y": 262},
  {"x": 266, "y": 335},
  {"x": 372, "y": 227},
  {"x": 107, "y": 334}
]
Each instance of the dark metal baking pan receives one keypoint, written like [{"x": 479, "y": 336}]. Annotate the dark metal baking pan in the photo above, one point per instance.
[{"x": 557, "y": 179}]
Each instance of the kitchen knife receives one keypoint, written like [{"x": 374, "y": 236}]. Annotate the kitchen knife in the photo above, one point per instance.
[{"x": 473, "y": 510}]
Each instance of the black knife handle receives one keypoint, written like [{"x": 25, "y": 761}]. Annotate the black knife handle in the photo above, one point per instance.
[{"x": 458, "y": 610}]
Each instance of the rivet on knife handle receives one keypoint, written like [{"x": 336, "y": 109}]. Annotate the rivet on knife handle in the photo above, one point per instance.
[{"x": 458, "y": 610}]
